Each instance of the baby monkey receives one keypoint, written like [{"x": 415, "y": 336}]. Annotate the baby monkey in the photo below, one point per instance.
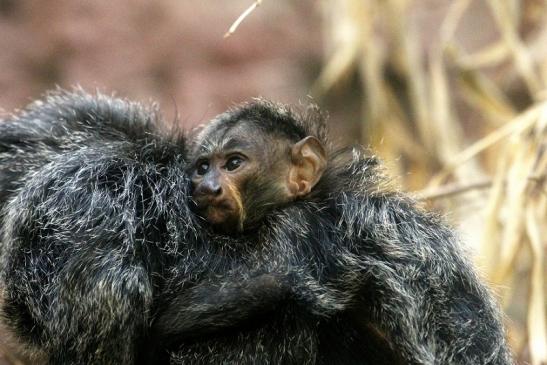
[{"x": 249, "y": 161}]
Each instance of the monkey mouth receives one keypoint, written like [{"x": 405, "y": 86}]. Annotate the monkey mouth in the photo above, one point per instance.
[
  {"x": 217, "y": 212},
  {"x": 208, "y": 204}
]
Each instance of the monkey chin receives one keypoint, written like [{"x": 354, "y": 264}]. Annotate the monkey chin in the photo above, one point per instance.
[{"x": 222, "y": 218}]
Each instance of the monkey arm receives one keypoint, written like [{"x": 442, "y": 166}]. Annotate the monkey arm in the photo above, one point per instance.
[
  {"x": 394, "y": 268},
  {"x": 420, "y": 292},
  {"x": 211, "y": 306}
]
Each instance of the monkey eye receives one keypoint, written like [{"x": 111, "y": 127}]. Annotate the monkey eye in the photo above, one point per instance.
[
  {"x": 202, "y": 167},
  {"x": 233, "y": 163}
]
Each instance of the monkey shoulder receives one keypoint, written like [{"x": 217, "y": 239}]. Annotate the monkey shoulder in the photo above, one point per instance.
[
  {"x": 65, "y": 122},
  {"x": 79, "y": 150}
]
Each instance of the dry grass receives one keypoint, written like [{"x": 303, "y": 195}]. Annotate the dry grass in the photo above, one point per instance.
[{"x": 425, "y": 123}]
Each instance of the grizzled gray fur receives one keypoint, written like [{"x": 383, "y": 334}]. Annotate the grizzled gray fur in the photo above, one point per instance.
[
  {"x": 104, "y": 262},
  {"x": 85, "y": 230}
]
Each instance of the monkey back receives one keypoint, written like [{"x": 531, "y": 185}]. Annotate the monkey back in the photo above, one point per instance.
[{"x": 93, "y": 201}]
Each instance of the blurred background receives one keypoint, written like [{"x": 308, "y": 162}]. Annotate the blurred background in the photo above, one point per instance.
[{"x": 451, "y": 94}]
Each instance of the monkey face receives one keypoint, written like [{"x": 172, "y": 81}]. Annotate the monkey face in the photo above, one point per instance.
[
  {"x": 217, "y": 193},
  {"x": 240, "y": 173},
  {"x": 220, "y": 179}
]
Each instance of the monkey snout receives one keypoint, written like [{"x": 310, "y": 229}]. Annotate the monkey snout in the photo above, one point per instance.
[{"x": 208, "y": 188}]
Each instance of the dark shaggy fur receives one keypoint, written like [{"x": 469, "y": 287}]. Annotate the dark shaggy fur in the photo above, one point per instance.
[
  {"x": 372, "y": 279},
  {"x": 94, "y": 204},
  {"x": 102, "y": 261}
]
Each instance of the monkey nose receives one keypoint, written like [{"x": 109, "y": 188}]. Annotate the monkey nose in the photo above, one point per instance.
[{"x": 211, "y": 188}]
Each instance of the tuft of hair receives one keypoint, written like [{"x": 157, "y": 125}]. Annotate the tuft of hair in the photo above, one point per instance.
[
  {"x": 273, "y": 118},
  {"x": 78, "y": 110}
]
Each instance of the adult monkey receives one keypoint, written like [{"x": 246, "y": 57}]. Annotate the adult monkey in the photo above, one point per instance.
[
  {"x": 96, "y": 230},
  {"x": 97, "y": 238},
  {"x": 95, "y": 216},
  {"x": 372, "y": 279}
]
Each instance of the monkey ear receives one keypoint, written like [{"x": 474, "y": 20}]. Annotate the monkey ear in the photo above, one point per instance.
[{"x": 308, "y": 162}]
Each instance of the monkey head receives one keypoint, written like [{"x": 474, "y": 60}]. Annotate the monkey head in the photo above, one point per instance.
[{"x": 251, "y": 160}]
